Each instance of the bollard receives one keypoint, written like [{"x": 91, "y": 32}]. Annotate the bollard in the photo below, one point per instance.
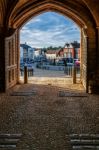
[
  {"x": 66, "y": 70},
  {"x": 25, "y": 75},
  {"x": 74, "y": 75},
  {"x": 32, "y": 71},
  {"x": 91, "y": 87}
]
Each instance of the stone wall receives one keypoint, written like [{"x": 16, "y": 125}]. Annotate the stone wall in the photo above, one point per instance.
[
  {"x": 2, "y": 62},
  {"x": 88, "y": 57},
  {"x": 84, "y": 47}
]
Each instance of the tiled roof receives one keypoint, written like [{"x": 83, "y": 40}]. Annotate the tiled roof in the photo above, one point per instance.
[{"x": 52, "y": 51}]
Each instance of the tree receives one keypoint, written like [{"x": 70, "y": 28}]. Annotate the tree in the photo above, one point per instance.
[{"x": 67, "y": 44}]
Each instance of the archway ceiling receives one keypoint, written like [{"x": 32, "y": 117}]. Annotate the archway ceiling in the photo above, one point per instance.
[
  {"x": 28, "y": 12},
  {"x": 93, "y": 6},
  {"x": 19, "y": 11},
  {"x": 73, "y": 9}
]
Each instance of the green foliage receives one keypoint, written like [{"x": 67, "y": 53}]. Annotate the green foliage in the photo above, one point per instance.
[{"x": 51, "y": 48}]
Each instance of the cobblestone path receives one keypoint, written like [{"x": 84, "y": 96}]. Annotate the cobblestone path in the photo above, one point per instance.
[{"x": 44, "y": 119}]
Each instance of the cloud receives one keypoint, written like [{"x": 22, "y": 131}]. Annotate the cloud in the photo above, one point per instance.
[
  {"x": 49, "y": 29},
  {"x": 34, "y": 20}
]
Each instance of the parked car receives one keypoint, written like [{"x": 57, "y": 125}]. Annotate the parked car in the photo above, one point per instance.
[
  {"x": 70, "y": 64},
  {"x": 60, "y": 63},
  {"x": 68, "y": 60},
  {"x": 38, "y": 65},
  {"x": 29, "y": 66},
  {"x": 77, "y": 63}
]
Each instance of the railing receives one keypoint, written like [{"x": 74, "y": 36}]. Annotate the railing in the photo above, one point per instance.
[
  {"x": 52, "y": 67},
  {"x": 77, "y": 70},
  {"x": 69, "y": 71},
  {"x": 29, "y": 72}
]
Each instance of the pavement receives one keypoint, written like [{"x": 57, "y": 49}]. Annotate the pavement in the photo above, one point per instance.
[{"x": 45, "y": 77}]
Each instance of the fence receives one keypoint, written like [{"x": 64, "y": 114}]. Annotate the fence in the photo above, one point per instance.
[
  {"x": 30, "y": 72},
  {"x": 68, "y": 70}
]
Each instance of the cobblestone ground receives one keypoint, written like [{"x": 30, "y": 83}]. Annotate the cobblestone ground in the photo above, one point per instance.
[{"x": 45, "y": 119}]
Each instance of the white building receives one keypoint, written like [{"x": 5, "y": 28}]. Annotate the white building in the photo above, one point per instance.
[
  {"x": 26, "y": 53},
  {"x": 21, "y": 54},
  {"x": 37, "y": 53},
  {"x": 51, "y": 54},
  {"x": 30, "y": 53}
]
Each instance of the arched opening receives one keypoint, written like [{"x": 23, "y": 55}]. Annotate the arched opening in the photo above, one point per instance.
[
  {"x": 48, "y": 117},
  {"x": 85, "y": 23},
  {"x": 50, "y": 47}
]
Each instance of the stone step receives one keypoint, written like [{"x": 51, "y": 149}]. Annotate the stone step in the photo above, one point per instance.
[
  {"x": 85, "y": 147},
  {"x": 9, "y": 136},
  {"x": 9, "y": 141},
  {"x": 84, "y": 141},
  {"x": 66, "y": 94},
  {"x": 84, "y": 136},
  {"x": 23, "y": 93},
  {"x": 7, "y": 147}
]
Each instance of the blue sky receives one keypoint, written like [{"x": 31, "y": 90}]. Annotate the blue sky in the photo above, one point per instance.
[{"x": 49, "y": 29}]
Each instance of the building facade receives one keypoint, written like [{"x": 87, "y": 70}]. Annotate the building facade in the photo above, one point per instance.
[
  {"x": 69, "y": 51},
  {"x": 51, "y": 54},
  {"x": 26, "y": 53}
]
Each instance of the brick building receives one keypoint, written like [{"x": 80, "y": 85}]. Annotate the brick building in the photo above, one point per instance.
[{"x": 70, "y": 50}]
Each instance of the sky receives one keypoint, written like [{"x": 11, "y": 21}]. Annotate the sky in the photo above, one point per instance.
[{"x": 49, "y": 29}]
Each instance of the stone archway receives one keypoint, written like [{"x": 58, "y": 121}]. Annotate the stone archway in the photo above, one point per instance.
[{"x": 22, "y": 12}]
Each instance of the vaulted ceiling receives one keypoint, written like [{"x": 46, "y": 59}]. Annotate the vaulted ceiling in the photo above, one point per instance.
[{"x": 14, "y": 13}]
